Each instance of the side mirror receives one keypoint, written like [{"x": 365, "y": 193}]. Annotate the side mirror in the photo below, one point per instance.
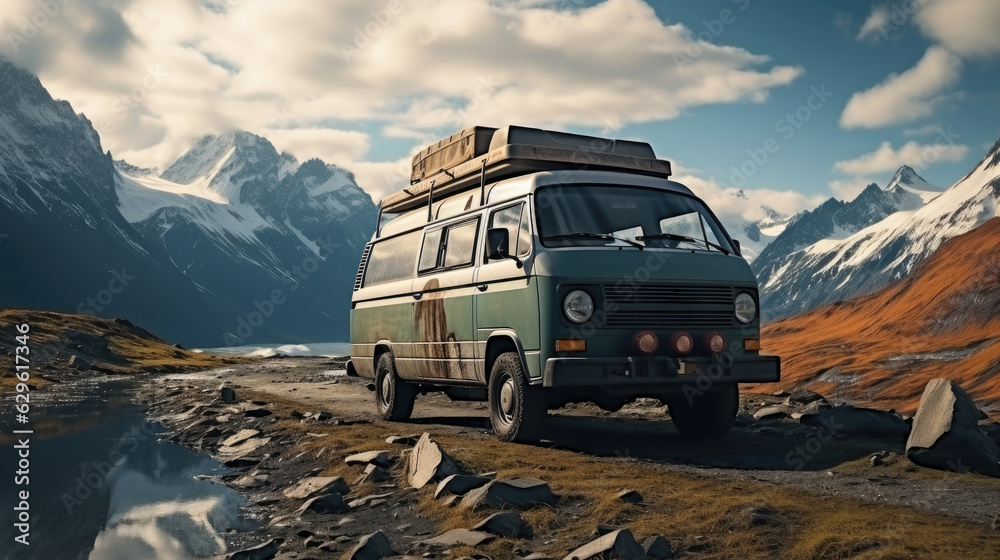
[
  {"x": 498, "y": 243},
  {"x": 736, "y": 245}
]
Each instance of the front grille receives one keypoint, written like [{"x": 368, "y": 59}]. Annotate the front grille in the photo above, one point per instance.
[{"x": 667, "y": 305}]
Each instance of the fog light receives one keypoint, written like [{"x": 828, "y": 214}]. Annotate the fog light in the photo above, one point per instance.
[
  {"x": 645, "y": 342},
  {"x": 681, "y": 343},
  {"x": 571, "y": 345},
  {"x": 714, "y": 342},
  {"x": 751, "y": 344}
]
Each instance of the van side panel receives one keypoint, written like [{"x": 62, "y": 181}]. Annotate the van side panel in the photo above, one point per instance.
[
  {"x": 444, "y": 344},
  {"x": 510, "y": 302},
  {"x": 386, "y": 318}
]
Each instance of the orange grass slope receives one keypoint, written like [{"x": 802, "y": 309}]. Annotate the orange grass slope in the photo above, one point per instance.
[{"x": 943, "y": 320}]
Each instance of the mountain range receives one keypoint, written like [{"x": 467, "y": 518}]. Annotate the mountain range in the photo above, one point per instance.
[{"x": 232, "y": 244}]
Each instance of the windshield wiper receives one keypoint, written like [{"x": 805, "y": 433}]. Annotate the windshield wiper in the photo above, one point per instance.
[
  {"x": 587, "y": 234},
  {"x": 675, "y": 237}
]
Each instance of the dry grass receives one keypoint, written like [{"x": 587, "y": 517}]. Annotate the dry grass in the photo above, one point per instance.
[
  {"x": 951, "y": 301},
  {"x": 704, "y": 512}
]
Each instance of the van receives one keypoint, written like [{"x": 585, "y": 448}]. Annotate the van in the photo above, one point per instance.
[{"x": 533, "y": 269}]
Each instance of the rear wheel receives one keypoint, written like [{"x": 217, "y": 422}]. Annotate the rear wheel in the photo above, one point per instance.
[
  {"x": 708, "y": 415},
  {"x": 393, "y": 397},
  {"x": 517, "y": 410}
]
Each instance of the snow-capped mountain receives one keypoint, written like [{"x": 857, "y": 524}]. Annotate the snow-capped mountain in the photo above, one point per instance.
[
  {"x": 231, "y": 243},
  {"x": 755, "y": 235},
  {"x": 804, "y": 275}
]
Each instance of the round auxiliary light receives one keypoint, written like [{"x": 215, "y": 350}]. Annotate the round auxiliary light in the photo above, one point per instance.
[
  {"x": 578, "y": 306},
  {"x": 714, "y": 342},
  {"x": 681, "y": 343},
  {"x": 645, "y": 342},
  {"x": 746, "y": 307}
]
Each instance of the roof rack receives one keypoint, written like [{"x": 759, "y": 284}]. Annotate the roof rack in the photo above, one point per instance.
[{"x": 464, "y": 161}]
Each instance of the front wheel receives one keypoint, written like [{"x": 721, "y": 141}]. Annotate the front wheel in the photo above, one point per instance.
[
  {"x": 517, "y": 410},
  {"x": 708, "y": 415},
  {"x": 393, "y": 397}
]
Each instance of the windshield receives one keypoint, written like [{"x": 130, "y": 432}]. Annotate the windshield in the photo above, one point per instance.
[{"x": 618, "y": 216}]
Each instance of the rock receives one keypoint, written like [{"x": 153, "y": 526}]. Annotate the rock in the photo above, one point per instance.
[
  {"x": 178, "y": 346},
  {"x": 658, "y": 548},
  {"x": 79, "y": 364},
  {"x": 428, "y": 463},
  {"x": 323, "y": 415},
  {"x": 946, "y": 433},
  {"x": 617, "y": 544},
  {"x": 371, "y": 500},
  {"x": 630, "y": 496},
  {"x": 375, "y": 473},
  {"x": 372, "y": 547},
  {"x": 816, "y": 407},
  {"x": 745, "y": 419},
  {"x": 317, "y": 485},
  {"x": 521, "y": 493},
  {"x": 770, "y": 413},
  {"x": 603, "y": 529},
  {"x": 245, "y": 448},
  {"x": 804, "y": 397},
  {"x": 507, "y": 524},
  {"x": 256, "y": 412},
  {"x": 227, "y": 394},
  {"x": 459, "y": 537},
  {"x": 264, "y": 551},
  {"x": 241, "y": 462},
  {"x": 327, "y": 503},
  {"x": 459, "y": 484},
  {"x": 847, "y": 420},
  {"x": 240, "y": 437},
  {"x": 760, "y": 515},
  {"x": 403, "y": 440},
  {"x": 380, "y": 458}
]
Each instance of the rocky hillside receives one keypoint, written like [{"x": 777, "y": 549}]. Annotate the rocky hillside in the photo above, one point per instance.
[{"x": 943, "y": 320}]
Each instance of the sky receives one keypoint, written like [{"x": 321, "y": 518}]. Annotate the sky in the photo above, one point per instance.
[{"x": 790, "y": 101}]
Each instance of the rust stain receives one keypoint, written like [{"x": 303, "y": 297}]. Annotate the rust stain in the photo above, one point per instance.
[{"x": 432, "y": 327}]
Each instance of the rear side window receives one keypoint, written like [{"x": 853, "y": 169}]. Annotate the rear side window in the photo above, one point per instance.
[
  {"x": 515, "y": 220},
  {"x": 452, "y": 246},
  {"x": 392, "y": 259},
  {"x": 431, "y": 251}
]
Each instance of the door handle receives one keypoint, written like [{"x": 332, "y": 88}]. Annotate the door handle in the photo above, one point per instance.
[
  {"x": 418, "y": 295},
  {"x": 482, "y": 287}
]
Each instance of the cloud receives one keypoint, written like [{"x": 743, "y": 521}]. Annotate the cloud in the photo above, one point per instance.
[
  {"x": 875, "y": 25},
  {"x": 905, "y": 97},
  {"x": 412, "y": 69},
  {"x": 965, "y": 27},
  {"x": 886, "y": 158}
]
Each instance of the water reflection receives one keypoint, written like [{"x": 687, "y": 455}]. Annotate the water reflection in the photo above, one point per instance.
[{"x": 110, "y": 490}]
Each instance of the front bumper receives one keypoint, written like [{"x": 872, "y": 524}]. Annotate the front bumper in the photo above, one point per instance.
[{"x": 653, "y": 371}]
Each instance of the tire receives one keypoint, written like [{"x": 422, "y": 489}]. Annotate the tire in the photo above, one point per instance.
[
  {"x": 710, "y": 415},
  {"x": 393, "y": 397},
  {"x": 517, "y": 410}
]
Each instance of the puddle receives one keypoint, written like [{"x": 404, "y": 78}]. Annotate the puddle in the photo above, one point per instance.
[{"x": 103, "y": 487}]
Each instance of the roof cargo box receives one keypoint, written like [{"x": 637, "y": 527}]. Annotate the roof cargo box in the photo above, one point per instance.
[
  {"x": 458, "y": 148},
  {"x": 538, "y": 137}
]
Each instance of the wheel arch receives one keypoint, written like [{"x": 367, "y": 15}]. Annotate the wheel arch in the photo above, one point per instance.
[{"x": 500, "y": 341}]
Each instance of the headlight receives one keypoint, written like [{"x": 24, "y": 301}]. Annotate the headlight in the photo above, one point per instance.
[
  {"x": 578, "y": 306},
  {"x": 746, "y": 308}
]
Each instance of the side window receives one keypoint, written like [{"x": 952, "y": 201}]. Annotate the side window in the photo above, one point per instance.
[
  {"x": 460, "y": 243},
  {"x": 431, "y": 250},
  {"x": 515, "y": 220},
  {"x": 392, "y": 259}
]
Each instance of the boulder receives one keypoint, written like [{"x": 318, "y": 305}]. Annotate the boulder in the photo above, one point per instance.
[
  {"x": 380, "y": 458},
  {"x": 372, "y": 547},
  {"x": 459, "y": 484},
  {"x": 375, "y": 473},
  {"x": 428, "y": 463},
  {"x": 508, "y": 524},
  {"x": 616, "y": 544},
  {"x": 657, "y": 548},
  {"x": 845, "y": 420},
  {"x": 370, "y": 500},
  {"x": 521, "y": 493},
  {"x": 327, "y": 503},
  {"x": 459, "y": 537},
  {"x": 227, "y": 394},
  {"x": 244, "y": 448},
  {"x": 264, "y": 551},
  {"x": 771, "y": 413},
  {"x": 630, "y": 496},
  {"x": 240, "y": 437},
  {"x": 79, "y": 364},
  {"x": 317, "y": 485},
  {"x": 946, "y": 433}
]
